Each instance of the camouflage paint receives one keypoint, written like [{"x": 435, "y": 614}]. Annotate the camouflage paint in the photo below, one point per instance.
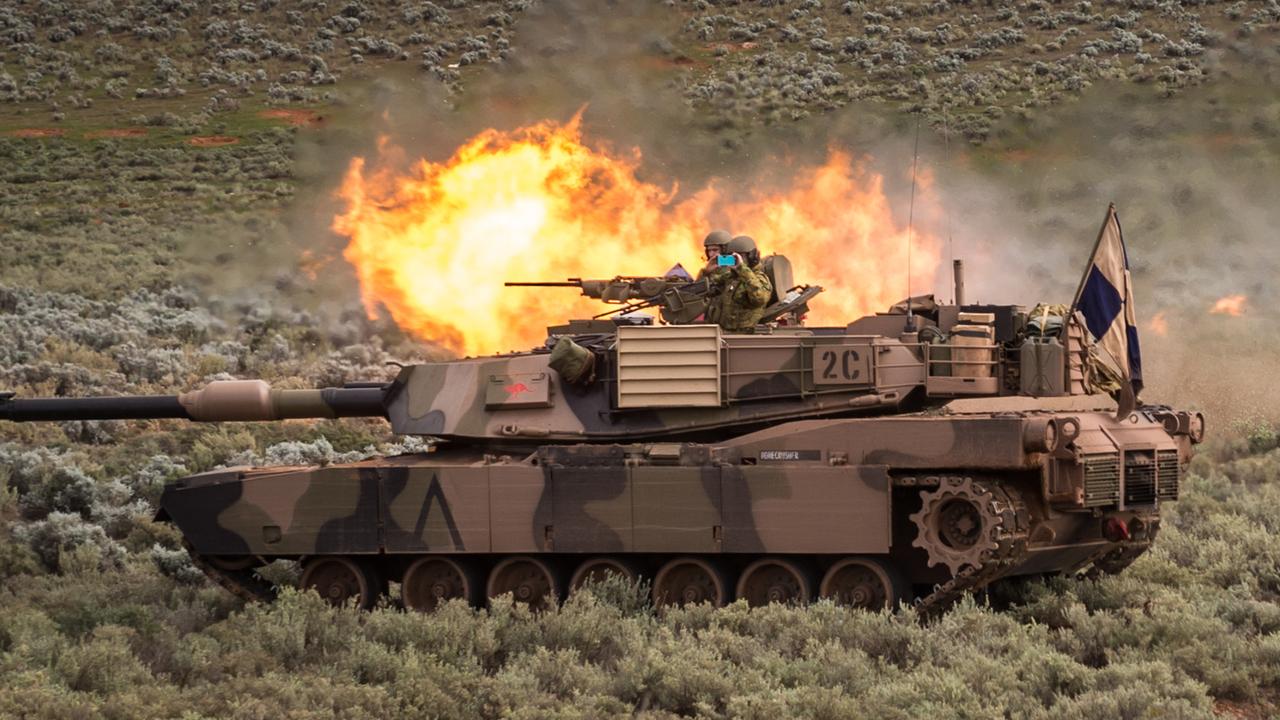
[
  {"x": 827, "y": 438},
  {"x": 801, "y": 488}
]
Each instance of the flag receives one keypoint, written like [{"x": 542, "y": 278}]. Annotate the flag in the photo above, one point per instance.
[
  {"x": 1105, "y": 299},
  {"x": 677, "y": 271}
]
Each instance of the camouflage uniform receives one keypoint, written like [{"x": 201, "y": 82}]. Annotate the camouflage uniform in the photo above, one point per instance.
[
  {"x": 716, "y": 275},
  {"x": 740, "y": 296}
]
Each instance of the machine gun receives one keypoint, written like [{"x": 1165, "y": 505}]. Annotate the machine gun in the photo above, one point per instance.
[
  {"x": 683, "y": 301},
  {"x": 679, "y": 299}
]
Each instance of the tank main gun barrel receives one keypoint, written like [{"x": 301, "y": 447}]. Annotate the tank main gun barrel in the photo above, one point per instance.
[{"x": 219, "y": 401}]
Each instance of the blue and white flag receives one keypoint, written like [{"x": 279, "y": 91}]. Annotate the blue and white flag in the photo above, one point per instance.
[{"x": 1105, "y": 300}]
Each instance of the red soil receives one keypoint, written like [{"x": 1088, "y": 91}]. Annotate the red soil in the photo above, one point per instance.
[
  {"x": 37, "y": 132},
  {"x": 213, "y": 140},
  {"x": 668, "y": 63},
  {"x": 732, "y": 47},
  {"x": 115, "y": 133},
  {"x": 297, "y": 118}
]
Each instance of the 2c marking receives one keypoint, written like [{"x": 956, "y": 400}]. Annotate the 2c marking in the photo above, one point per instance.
[{"x": 841, "y": 365}]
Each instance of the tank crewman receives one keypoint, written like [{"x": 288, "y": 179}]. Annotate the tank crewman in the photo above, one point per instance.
[
  {"x": 713, "y": 246},
  {"x": 741, "y": 291}
]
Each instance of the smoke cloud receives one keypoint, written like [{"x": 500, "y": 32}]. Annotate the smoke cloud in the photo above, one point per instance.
[{"x": 1191, "y": 176}]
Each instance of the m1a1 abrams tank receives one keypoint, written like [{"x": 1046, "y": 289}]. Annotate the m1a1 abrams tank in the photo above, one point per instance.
[{"x": 914, "y": 454}]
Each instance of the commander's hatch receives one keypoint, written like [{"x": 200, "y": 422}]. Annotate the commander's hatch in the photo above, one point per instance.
[
  {"x": 668, "y": 366},
  {"x": 788, "y": 302}
]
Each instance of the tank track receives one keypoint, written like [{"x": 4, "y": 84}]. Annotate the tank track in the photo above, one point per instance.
[
  {"x": 1111, "y": 562},
  {"x": 244, "y": 584},
  {"x": 1005, "y": 549}
]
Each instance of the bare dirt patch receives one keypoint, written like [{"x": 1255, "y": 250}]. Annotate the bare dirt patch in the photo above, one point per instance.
[
  {"x": 1239, "y": 710},
  {"x": 1228, "y": 140},
  {"x": 297, "y": 118},
  {"x": 731, "y": 46},
  {"x": 115, "y": 133},
  {"x": 37, "y": 132},
  {"x": 213, "y": 140},
  {"x": 679, "y": 62}
]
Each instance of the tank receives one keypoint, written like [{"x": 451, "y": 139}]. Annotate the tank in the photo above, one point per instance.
[{"x": 911, "y": 455}]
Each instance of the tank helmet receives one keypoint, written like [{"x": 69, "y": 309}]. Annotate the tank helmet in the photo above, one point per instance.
[
  {"x": 717, "y": 238},
  {"x": 745, "y": 246}
]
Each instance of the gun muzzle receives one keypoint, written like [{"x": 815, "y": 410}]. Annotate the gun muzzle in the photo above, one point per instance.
[
  {"x": 219, "y": 401},
  {"x": 135, "y": 407}
]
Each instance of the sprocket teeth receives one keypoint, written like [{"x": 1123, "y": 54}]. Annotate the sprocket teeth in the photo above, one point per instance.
[{"x": 928, "y": 538}]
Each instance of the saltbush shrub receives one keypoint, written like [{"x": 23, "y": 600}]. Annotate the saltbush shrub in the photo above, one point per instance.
[
  {"x": 67, "y": 538},
  {"x": 1193, "y": 620}
]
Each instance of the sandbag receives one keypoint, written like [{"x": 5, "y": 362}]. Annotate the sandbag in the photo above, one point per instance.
[
  {"x": 1045, "y": 320},
  {"x": 575, "y": 363}
]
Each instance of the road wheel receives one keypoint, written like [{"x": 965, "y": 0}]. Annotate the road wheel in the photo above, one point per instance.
[
  {"x": 597, "y": 569},
  {"x": 339, "y": 580},
  {"x": 432, "y": 581},
  {"x": 864, "y": 583},
  {"x": 529, "y": 580},
  {"x": 774, "y": 580},
  {"x": 689, "y": 581}
]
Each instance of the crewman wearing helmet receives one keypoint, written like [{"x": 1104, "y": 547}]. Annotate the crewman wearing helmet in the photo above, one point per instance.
[
  {"x": 713, "y": 245},
  {"x": 740, "y": 291}
]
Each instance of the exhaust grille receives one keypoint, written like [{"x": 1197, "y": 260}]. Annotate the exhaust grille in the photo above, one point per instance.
[
  {"x": 1168, "y": 474},
  {"x": 1101, "y": 480},
  {"x": 668, "y": 366},
  {"x": 1139, "y": 477}
]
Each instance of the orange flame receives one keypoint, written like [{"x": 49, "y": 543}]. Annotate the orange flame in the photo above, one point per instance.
[
  {"x": 1232, "y": 305},
  {"x": 434, "y": 245},
  {"x": 1159, "y": 324}
]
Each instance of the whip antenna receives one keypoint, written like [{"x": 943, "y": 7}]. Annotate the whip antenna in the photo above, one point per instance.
[
  {"x": 951, "y": 244},
  {"x": 911, "y": 211},
  {"x": 957, "y": 265}
]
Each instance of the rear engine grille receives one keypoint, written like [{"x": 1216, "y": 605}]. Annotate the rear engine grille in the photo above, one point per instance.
[
  {"x": 1101, "y": 480},
  {"x": 1168, "y": 474},
  {"x": 1139, "y": 477}
]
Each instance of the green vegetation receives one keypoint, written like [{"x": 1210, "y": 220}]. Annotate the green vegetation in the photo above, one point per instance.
[
  {"x": 186, "y": 67},
  {"x": 186, "y": 64},
  {"x": 134, "y": 260},
  {"x": 964, "y": 65}
]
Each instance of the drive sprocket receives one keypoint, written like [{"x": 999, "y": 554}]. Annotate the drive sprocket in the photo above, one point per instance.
[{"x": 963, "y": 523}]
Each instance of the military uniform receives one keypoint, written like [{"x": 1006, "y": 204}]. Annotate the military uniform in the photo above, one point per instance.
[{"x": 739, "y": 298}]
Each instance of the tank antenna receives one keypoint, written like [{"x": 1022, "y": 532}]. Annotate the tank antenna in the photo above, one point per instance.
[
  {"x": 911, "y": 211},
  {"x": 957, "y": 290}
]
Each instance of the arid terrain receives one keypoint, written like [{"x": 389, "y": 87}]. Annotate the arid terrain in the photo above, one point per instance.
[{"x": 169, "y": 180}]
